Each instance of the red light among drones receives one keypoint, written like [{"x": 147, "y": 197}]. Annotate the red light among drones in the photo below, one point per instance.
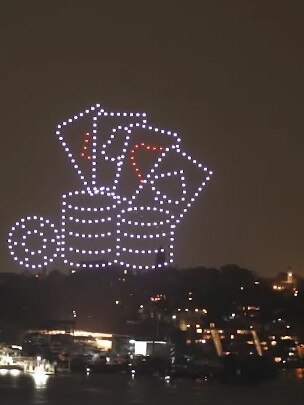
[
  {"x": 135, "y": 149},
  {"x": 85, "y": 146}
]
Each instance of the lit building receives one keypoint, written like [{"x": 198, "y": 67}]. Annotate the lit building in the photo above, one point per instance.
[{"x": 286, "y": 282}]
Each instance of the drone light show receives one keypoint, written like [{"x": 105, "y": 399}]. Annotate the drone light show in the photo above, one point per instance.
[{"x": 136, "y": 184}]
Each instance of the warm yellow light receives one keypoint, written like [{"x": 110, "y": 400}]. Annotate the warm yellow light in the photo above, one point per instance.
[
  {"x": 104, "y": 344},
  {"x": 77, "y": 333}
]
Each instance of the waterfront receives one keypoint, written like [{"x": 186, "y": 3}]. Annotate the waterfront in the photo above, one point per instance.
[{"x": 123, "y": 390}]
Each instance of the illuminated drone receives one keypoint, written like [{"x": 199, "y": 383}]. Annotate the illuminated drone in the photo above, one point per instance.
[{"x": 136, "y": 184}]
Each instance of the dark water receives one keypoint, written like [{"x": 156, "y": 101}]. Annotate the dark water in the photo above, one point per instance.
[{"x": 122, "y": 389}]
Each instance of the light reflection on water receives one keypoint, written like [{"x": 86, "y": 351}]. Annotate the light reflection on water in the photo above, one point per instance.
[
  {"x": 299, "y": 373},
  {"x": 40, "y": 379},
  {"x": 125, "y": 390}
]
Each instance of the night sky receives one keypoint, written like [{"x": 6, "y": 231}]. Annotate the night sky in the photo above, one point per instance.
[{"x": 226, "y": 75}]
